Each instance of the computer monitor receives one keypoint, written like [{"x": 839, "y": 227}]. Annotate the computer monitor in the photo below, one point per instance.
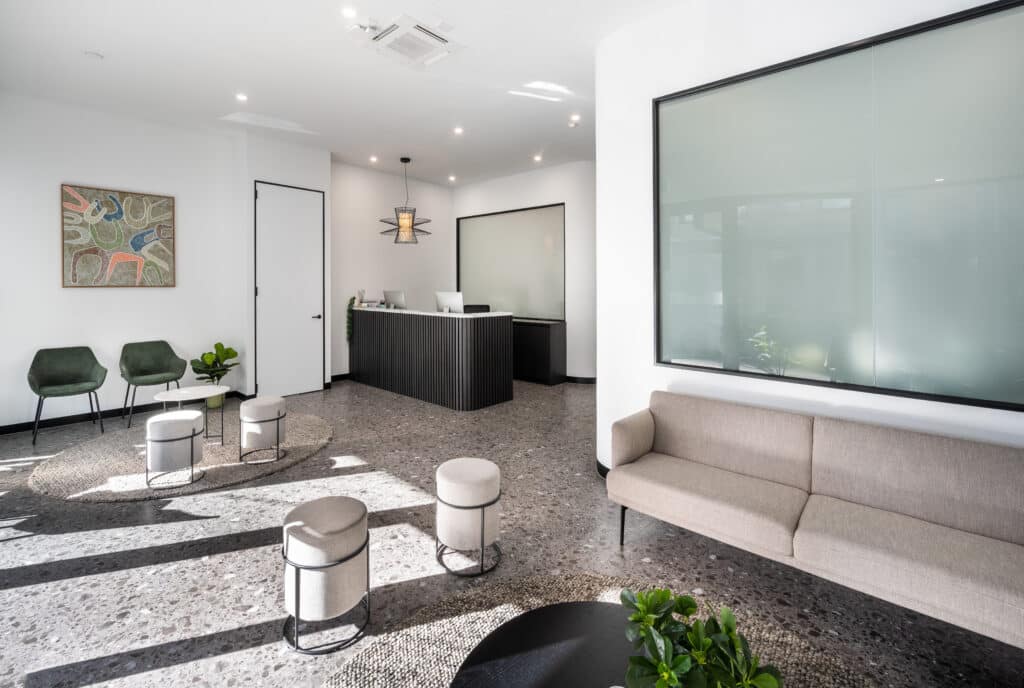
[
  {"x": 452, "y": 300},
  {"x": 394, "y": 299}
]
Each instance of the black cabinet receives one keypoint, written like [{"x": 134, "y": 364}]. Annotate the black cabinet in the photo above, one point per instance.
[{"x": 538, "y": 350}]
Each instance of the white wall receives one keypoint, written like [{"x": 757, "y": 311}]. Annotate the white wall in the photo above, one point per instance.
[
  {"x": 684, "y": 46},
  {"x": 362, "y": 258},
  {"x": 572, "y": 184},
  {"x": 207, "y": 171}
]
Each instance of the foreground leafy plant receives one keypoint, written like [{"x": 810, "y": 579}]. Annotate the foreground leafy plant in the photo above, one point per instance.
[{"x": 677, "y": 652}]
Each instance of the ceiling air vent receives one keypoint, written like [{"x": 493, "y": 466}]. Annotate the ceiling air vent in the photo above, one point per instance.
[{"x": 411, "y": 42}]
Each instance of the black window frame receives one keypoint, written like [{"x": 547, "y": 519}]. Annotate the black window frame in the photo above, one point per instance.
[{"x": 863, "y": 44}]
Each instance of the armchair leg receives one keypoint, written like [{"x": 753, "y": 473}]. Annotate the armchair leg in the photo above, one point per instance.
[
  {"x": 175, "y": 384},
  {"x": 131, "y": 409},
  {"x": 622, "y": 526},
  {"x": 124, "y": 405},
  {"x": 35, "y": 428},
  {"x": 91, "y": 413},
  {"x": 99, "y": 414}
]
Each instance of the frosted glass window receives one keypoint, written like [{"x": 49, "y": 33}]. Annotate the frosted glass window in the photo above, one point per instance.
[
  {"x": 856, "y": 220},
  {"x": 515, "y": 261}
]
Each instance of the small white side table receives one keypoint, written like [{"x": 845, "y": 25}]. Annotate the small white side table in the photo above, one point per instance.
[{"x": 197, "y": 393}]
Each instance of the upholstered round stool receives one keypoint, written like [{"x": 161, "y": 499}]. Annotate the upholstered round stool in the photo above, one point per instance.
[
  {"x": 468, "y": 492},
  {"x": 174, "y": 442},
  {"x": 326, "y": 567},
  {"x": 261, "y": 426}
]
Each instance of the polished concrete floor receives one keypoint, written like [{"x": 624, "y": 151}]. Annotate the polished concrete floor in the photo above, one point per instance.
[{"x": 187, "y": 591}]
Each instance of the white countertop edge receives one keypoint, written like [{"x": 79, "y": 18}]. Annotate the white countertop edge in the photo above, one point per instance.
[{"x": 401, "y": 311}]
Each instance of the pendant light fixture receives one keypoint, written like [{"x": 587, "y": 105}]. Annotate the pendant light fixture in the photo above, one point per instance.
[{"x": 405, "y": 226}]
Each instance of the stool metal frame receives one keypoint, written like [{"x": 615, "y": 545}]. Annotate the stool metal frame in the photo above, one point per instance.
[
  {"x": 278, "y": 452},
  {"x": 290, "y": 631},
  {"x": 443, "y": 549},
  {"x": 206, "y": 417},
  {"x": 191, "y": 461}
]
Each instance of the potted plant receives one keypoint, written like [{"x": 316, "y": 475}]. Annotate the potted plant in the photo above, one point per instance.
[
  {"x": 676, "y": 650},
  {"x": 212, "y": 366}
]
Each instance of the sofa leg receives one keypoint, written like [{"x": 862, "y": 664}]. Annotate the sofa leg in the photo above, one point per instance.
[
  {"x": 35, "y": 427},
  {"x": 91, "y": 413},
  {"x": 622, "y": 526},
  {"x": 124, "y": 406}
]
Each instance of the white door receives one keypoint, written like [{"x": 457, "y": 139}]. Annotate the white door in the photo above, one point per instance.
[{"x": 289, "y": 290}]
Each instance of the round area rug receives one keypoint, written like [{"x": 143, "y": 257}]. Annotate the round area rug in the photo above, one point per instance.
[
  {"x": 431, "y": 646},
  {"x": 112, "y": 467}
]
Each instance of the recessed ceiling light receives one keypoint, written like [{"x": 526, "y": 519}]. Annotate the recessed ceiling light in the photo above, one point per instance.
[
  {"x": 457, "y": 130},
  {"x": 348, "y": 12},
  {"x": 573, "y": 125},
  {"x": 241, "y": 97},
  {"x": 538, "y": 157},
  {"x": 548, "y": 86},
  {"x": 373, "y": 158},
  {"x": 940, "y": 179},
  {"x": 538, "y": 96},
  {"x": 574, "y": 117},
  {"x": 451, "y": 177}
]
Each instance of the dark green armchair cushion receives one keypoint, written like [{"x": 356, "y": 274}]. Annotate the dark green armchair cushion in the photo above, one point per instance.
[
  {"x": 150, "y": 363},
  {"x": 65, "y": 372}
]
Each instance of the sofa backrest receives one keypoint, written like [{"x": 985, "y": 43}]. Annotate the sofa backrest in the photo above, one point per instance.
[
  {"x": 970, "y": 486},
  {"x": 759, "y": 442}
]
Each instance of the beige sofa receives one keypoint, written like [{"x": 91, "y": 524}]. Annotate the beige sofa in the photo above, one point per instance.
[{"x": 931, "y": 523}]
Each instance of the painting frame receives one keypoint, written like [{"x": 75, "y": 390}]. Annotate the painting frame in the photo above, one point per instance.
[{"x": 80, "y": 203}]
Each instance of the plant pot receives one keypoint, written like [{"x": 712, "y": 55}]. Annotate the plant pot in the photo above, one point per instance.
[{"x": 215, "y": 402}]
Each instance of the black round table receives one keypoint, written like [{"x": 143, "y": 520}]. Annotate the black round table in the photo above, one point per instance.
[{"x": 565, "y": 645}]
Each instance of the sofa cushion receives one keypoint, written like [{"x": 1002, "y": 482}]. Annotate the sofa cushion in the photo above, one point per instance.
[
  {"x": 959, "y": 577},
  {"x": 970, "y": 486},
  {"x": 737, "y": 509},
  {"x": 763, "y": 443}
]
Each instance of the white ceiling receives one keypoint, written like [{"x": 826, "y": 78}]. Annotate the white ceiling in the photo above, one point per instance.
[{"x": 183, "y": 62}]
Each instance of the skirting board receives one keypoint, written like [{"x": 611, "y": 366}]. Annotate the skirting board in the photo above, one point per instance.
[
  {"x": 340, "y": 376},
  {"x": 581, "y": 380},
  {"x": 83, "y": 417}
]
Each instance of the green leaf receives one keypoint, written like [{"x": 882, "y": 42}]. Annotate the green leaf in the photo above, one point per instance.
[
  {"x": 628, "y": 599},
  {"x": 696, "y": 678},
  {"x": 728, "y": 621},
  {"x": 633, "y": 633},
  {"x": 209, "y": 358},
  {"x": 685, "y": 605},
  {"x": 641, "y": 673},
  {"x": 764, "y": 681},
  {"x": 681, "y": 664}
]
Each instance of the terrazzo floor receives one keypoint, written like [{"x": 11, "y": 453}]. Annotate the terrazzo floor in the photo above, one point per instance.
[{"x": 186, "y": 591}]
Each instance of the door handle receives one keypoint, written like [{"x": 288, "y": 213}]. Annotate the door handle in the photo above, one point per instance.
[{"x": 317, "y": 316}]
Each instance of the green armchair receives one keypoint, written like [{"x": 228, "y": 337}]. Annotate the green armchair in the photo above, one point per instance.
[
  {"x": 148, "y": 363},
  {"x": 66, "y": 372}
]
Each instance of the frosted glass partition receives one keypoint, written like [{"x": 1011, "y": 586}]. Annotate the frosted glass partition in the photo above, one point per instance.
[
  {"x": 855, "y": 220},
  {"x": 515, "y": 261}
]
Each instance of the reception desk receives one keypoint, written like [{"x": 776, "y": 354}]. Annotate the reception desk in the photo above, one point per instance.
[{"x": 459, "y": 360}]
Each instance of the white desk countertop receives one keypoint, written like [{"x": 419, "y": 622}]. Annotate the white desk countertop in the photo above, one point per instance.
[{"x": 402, "y": 311}]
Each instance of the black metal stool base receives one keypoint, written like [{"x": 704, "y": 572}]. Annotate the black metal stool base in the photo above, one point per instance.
[
  {"x": 478, "y": 570},
  {"x": 278, "y": 455},
  {"x": 291, "y": 634},
  {"x": 195, "y": 476}
]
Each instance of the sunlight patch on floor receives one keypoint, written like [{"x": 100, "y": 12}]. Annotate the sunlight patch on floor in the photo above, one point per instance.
[{"x": 347, "y": 461}]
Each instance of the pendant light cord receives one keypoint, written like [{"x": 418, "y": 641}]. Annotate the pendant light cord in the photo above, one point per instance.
[{"x": 405, "y": 173}]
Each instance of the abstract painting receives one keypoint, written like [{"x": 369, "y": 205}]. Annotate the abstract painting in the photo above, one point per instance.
[{"x": 116, "y": 238}]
